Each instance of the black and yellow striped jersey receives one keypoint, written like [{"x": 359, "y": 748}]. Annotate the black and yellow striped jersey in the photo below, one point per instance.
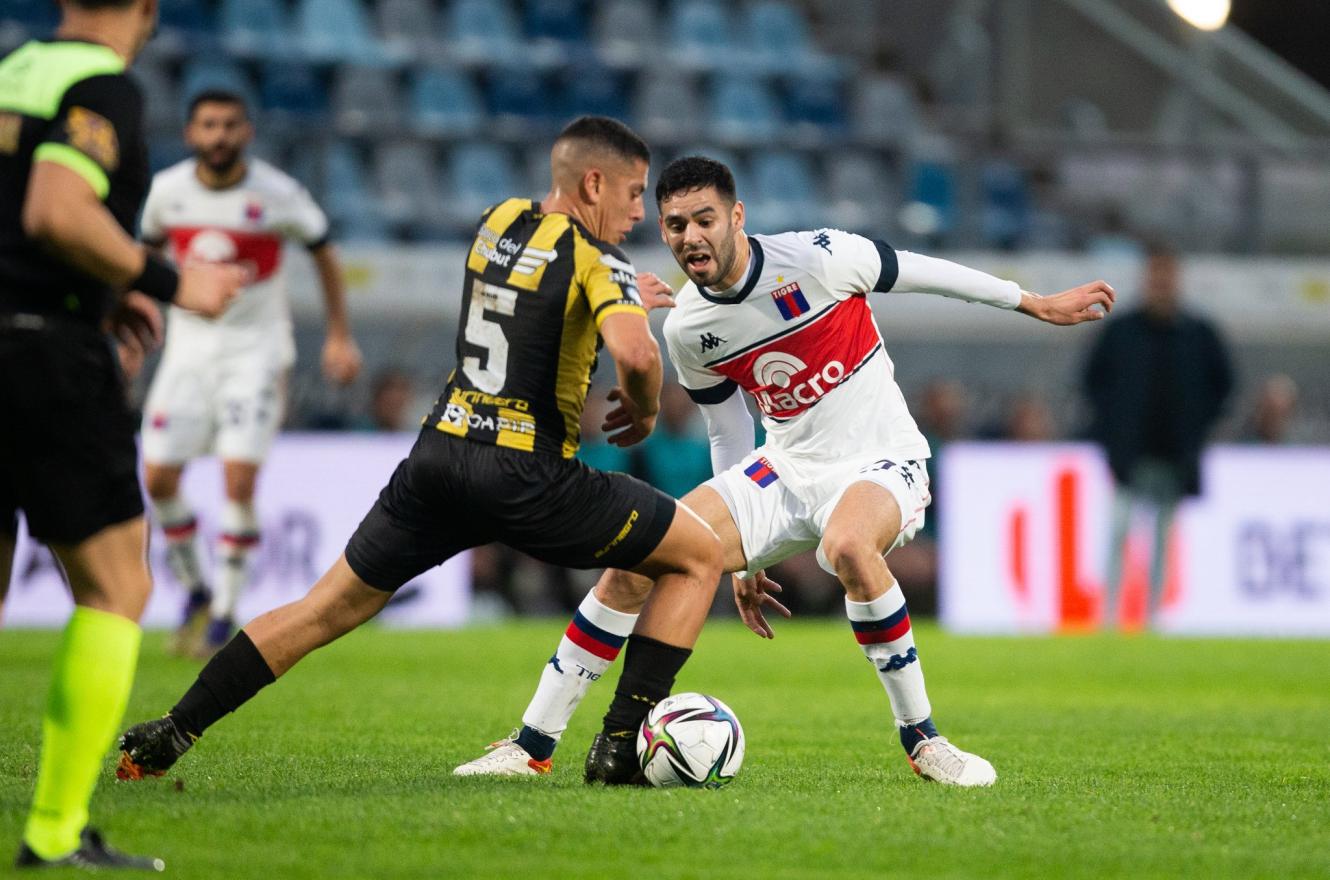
[{"x": 538, "y": 286}]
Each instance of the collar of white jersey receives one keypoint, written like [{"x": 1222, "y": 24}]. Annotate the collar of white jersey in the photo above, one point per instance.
[{"x": 730, "y": 297}]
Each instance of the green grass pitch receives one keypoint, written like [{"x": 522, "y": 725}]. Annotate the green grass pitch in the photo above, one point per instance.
[{"x": 1117, "y": 757}]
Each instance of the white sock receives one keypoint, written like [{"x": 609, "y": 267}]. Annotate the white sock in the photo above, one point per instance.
[
  {"x": 588, "y": 647},
  {"x": 180, "y": 528},
  {"x": 882, "y": 628},
  {"x": 240, "y": 535}
]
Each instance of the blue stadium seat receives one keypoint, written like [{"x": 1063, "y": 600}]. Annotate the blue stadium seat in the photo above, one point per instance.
[
  {"x": 200, "y": 74},
  {"x": 481, "y": 175},
  {"x": 562, "y": 20},
  {"x": 481, "y": 30},
  {"x": 1005, "y": 204},
  {"x": 365, "y": 99},
  {"x": 932, "y": 187},
  {"x": 254, "y": 27},
  {"x": 777, "y": 35},
  {"x": 292, "y": 90},
  {"x": 884, "y": 111},
  {"x": 405, "y": 25},
  {"x": 39, "y": 16},
  {"x": 185, "y": 24},
  {"x": 815, "y": 105},
  {"x": 785, "y": 194},
  {"x": 165, "y": 151},
  {"x": 161, "y": 102},
  {"x": 624, "y": 29},
  {"x": 445, "y": 103},
  {"x": 861, "y": 194},
  {"x": 517, "y": 92},
  {"x": 406, "y": 182},
  {"x": 337, "y": 30},
  {"x": 701, "y": 32},
  {"x": 346, "y": 195},
  {"x": 591, "y": 88},
  {"x": 666, "y": 106},
  {"x": 743, "y": 110}
]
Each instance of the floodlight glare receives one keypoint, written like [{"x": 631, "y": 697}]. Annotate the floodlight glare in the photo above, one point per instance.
[{"x": 1207, "y": 15}]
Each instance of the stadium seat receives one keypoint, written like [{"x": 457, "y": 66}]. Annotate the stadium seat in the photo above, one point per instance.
[
  {"x": 365, "y": 99},
  {"x": 293, "y": 93},
  {"x": 884, "y": 111},
  {"x": 200, "y": 74},
  {"x": 814, "y": 106},
  {"x": 166, "y": 150},
  {"x": 777, "y": 36},
  {"x": 405, "y": 25},
  {"x": 931, "y": 203},
  {"x": 161, "y": 101},
  {"x": 666, "y": 106},
  {"x": 481, "y": 175},
  {"x": 624, "y": 30},
  {"x": 346, "y": 195},
  {"x": 481, "y": 30},
  {"x": 861, "y": 194},
  {"x": 784, "y": 193},
  {"x": 561, "y": 20},
  {"x": 185, "y": 25},
  {"x": 1005, "y": 204},
  {"x": 517, "y": 95},
  {"x": 445, "y": 103},
  {"x": 701, "y": 33},
  {"x": 743, "y": 110},
  {"x": 591, "y": 88},
  {"x": 254, "y": 27},
  {"x": 336, "y": 30},
  {"x": 406, "y": 182}
]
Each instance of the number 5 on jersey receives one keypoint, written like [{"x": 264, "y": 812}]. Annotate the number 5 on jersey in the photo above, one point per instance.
[{"x": 488, "y": 335}]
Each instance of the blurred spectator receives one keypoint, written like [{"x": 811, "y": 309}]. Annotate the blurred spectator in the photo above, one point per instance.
[
  {"x": 390, "y": 404},
  {"x": 1156, "y": 380},
  {"x": 1030, "y": 420},
  {"x": 942, "y": 413},
  {"x": 1271, "y": 420},
  {"x": 596, "y": 451},
  {"x": 676, "y": 458}
]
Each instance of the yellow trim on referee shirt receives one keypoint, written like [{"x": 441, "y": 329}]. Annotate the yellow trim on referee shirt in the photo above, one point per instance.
[{"x": 64, "y": 154}]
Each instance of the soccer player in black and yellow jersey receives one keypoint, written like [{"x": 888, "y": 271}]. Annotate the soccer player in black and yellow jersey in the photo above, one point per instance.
[
  {"x": 73, "y": 173},
  {"x": 544, "y": 285}
]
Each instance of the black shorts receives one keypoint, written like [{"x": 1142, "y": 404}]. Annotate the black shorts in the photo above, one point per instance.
[
  {"x": 67, "y": 453},
  {"x": 450, "y": 494}
]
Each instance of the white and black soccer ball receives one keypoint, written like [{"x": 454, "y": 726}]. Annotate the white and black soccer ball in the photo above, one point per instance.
[{"x": 690, "y": 740}]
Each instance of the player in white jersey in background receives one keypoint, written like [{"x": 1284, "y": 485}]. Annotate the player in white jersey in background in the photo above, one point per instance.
[
  {"x": 785, "y": 318},
  {"x": 221, "y": 384}
]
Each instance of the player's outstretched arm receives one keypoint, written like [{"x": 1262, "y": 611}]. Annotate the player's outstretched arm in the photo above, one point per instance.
[
  {"x": 636, "y": 357},
  {"x": 341, "y": 355},
  {"x": 1069, "y": 307}
]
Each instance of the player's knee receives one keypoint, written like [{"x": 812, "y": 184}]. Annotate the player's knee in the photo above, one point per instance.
[
  {"x": 707, "y": 556},
  {"x": 623, "y": 590},
  {"x": 161, "y": 484},
  {"x": 847, "y": 554}
]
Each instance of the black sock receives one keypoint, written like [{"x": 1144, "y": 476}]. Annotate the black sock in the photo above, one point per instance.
[
  {"x": 649, "y": 668},
  {"x": 232, "y": 676}
]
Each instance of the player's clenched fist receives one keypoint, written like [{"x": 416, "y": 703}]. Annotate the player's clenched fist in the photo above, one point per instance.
[
  {"x": 1071, "y": 306},
  {"x": 655, "y": 293},
  {"x": 208, "y": 288}
]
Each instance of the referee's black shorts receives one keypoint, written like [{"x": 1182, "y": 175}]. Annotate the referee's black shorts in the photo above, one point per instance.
[
  {"x": 67, "y": 453},
  {"x": 450, "y": 494}
]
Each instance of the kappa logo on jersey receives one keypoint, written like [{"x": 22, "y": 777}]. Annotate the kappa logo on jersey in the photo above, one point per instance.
[
  {"x": 532, "y": 259},
  {"x": 823, "y": 240},
  {"x": 761, "y": 472},
  {"x": 790, "y": 300},
  {"x": 779, "y": 369},
  {"x": 710, "y": 341}
]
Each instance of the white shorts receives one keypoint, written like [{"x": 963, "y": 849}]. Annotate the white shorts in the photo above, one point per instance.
[
  {"x": 775, "y": 522},
  {"x": 231, "y": 406}
]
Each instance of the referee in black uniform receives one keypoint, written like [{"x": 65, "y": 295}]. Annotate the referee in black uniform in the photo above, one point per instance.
[{"x": 73, "y": 174}]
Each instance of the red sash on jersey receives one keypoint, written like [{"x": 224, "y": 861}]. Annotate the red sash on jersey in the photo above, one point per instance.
[
  {"x": 790, "y": 373},
  {"x": 259, "y": 253}
]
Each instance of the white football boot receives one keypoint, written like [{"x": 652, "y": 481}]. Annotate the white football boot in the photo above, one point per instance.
[
  {"x": 937, "y": 760},
  {"x": 504, "y": 758}
]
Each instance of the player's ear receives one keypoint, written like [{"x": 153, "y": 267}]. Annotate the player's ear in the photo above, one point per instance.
[
  {"x": 593, "y": 182},
  {"x": 660, "y": 222},
  {"x": 737, "y": 216}
]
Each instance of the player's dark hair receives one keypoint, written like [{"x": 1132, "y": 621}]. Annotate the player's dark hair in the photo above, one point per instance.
[
  {"x": 693, "y": 173},
  {"x": 607, "y": 134},
  {"x": 216, "y": 96}
]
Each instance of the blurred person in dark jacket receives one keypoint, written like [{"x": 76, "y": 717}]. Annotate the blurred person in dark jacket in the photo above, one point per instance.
[{"x": 1156, "y": 380}]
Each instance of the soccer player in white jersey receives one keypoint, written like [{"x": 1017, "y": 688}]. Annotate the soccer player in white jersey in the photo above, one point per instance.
[
  {"x": 785, "y": 318},
  {"x": 221, "y": 383}
]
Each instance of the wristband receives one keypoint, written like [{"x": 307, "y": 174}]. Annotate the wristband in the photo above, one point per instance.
[{"x": 158, "y": 280}]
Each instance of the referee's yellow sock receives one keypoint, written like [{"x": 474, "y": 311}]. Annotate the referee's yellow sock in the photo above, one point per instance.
[{"x": 94, "y": 671}]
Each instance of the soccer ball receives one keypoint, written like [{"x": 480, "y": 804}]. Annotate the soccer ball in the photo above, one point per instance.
[{"x": 691, "y": 740}]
